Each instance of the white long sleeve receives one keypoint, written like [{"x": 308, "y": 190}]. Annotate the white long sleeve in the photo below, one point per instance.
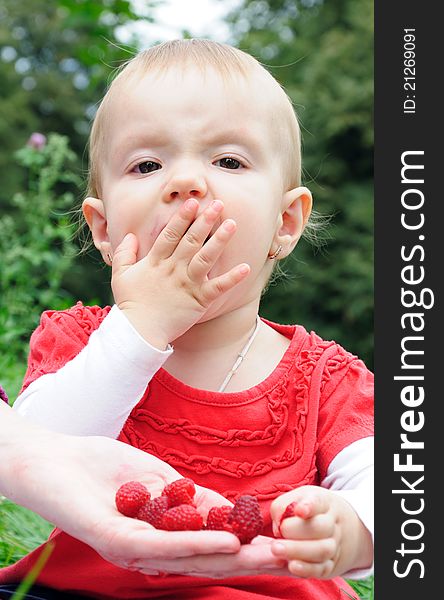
[
  {"x": 351, "y": 475},
  {"x": 94, "y": 393}
]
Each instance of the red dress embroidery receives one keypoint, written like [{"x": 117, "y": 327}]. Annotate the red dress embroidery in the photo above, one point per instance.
[{"x": 278, "y": 435}]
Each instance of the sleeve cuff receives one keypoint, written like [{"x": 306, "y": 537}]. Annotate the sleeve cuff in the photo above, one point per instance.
[{"x": 124, "y": 337}]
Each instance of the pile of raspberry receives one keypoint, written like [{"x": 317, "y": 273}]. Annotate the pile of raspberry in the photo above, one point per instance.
[{"x": 175, "y": 510}]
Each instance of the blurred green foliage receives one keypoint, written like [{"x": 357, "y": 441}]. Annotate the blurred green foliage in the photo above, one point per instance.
[
  {"x": 20, "y": 531},
  {"x": 36, "y": 243}
]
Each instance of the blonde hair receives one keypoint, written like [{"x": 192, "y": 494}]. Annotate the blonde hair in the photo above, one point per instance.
[{"x": 226, "y": 60}]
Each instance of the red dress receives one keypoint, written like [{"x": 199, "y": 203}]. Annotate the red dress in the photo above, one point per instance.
[{"x": 267, "y": 440}]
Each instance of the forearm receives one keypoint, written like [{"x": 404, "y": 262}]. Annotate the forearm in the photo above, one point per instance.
[
  {"x": 94, "y": 393},
  {"x": 8, "y": 444}
]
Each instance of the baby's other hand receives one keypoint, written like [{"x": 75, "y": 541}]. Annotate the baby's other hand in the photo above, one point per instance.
[
  {"x": 166, "y": 292},
  {"x": 324, "y": 536}
]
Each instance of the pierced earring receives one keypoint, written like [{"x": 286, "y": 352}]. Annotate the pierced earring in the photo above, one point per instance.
[
  {"x": 110, "y": 258},
  {"x": 278, "y": 251}
]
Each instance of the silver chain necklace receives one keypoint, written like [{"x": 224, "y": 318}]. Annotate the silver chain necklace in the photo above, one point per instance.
[{"x": 240, "y": 356}]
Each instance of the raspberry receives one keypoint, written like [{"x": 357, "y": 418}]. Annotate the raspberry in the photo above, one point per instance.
[
  {"x": 290, "y": 511},
  {"x": 295, "y": 509},
  {"x": 130, "y": 497},
  {"x": 245, "y": 519},
  {"x": 152, "y": 512},
  {"x": 217, "y": 517},
  {"x": 181, "y": 518},
  {"x": 180, "y": 491}
]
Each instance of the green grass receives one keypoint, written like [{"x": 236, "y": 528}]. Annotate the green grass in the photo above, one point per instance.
[
  {"x": 364, "y": 588},
  {"x": 12, "y": 374},
  {"x": 20, "y": 531}
]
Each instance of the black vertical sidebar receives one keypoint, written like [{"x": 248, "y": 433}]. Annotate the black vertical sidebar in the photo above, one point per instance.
[{"x": 409, "y": 358}]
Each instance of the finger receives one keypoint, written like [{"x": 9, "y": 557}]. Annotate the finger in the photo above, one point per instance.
[
  {"x": 214, "y": 288},
  {"x": 313, "y": 551},
  {"x": 303, "y": 502},
  {"x": 249, "y": 559},
  {"x": 318, "y": 527},
  {"x": 125, "y": 255},
  {"x": 312, "y": 501},
  {"x": 205, "y": 258},
  {"x": 172, "y": 569},
  {"x": 206, "y": 499},
  {"x": 323, "y": 570},
  {"x": 220, "y": 574},
  {"x": 178, "y": 544},
  {"x": 194, "y": 238},
  {"x": 261, "y": 539},
  {"x": 170, "y": 236},
  {"x": 142, "y": 541}
]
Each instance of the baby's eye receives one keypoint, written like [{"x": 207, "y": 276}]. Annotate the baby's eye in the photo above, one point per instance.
[
  {"x": 229, "y": 163},
  {"x": 147, "y": 166}
]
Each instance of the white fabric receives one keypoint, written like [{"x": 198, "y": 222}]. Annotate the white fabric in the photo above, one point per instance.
[
  {"x": 94, "y": 393},
  {"x": 101, "y": 385}
]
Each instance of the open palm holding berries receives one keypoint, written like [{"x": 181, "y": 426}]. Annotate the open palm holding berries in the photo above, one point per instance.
[{"x": 175, "y": 510}]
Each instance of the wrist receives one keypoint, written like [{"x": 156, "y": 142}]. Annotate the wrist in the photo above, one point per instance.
[
  {"x": 364, "y": 548},
  {"x": 146, "y": 326},
  {"x": 358, "y": 547},
  {"x": 20, "y": 445}
]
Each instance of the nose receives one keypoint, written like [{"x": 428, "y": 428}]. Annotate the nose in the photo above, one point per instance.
[{"x": 187, "y": 181}]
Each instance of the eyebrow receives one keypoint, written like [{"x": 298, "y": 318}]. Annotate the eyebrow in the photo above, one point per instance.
[
  {"x": 231, "y": 135},
  {"x": 151, "y": 139},
  {"x": 160, "y": 139}
]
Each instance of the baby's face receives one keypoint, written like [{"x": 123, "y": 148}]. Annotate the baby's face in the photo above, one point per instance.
[{"x": 180, "y": 134}]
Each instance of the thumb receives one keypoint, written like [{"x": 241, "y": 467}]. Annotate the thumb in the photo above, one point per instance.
[
  {"x": 303, "y": 502},
  {"x": 125, "y": 254},
  {"x": 206, "y": 499}
]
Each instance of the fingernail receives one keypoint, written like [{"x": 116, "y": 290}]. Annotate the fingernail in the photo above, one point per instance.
[
  {"x": 190, "y": 204},
  {"x": 303, "y": 510},
  {"x": 229, "y": 225},
  {"x": 244, "y": 269},
  {"x": 216, "y": 205}
]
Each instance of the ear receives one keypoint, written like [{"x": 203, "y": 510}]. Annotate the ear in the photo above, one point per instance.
[
  {"x": 95, "y": 215},
  {"x": 296, "y": 209}
]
